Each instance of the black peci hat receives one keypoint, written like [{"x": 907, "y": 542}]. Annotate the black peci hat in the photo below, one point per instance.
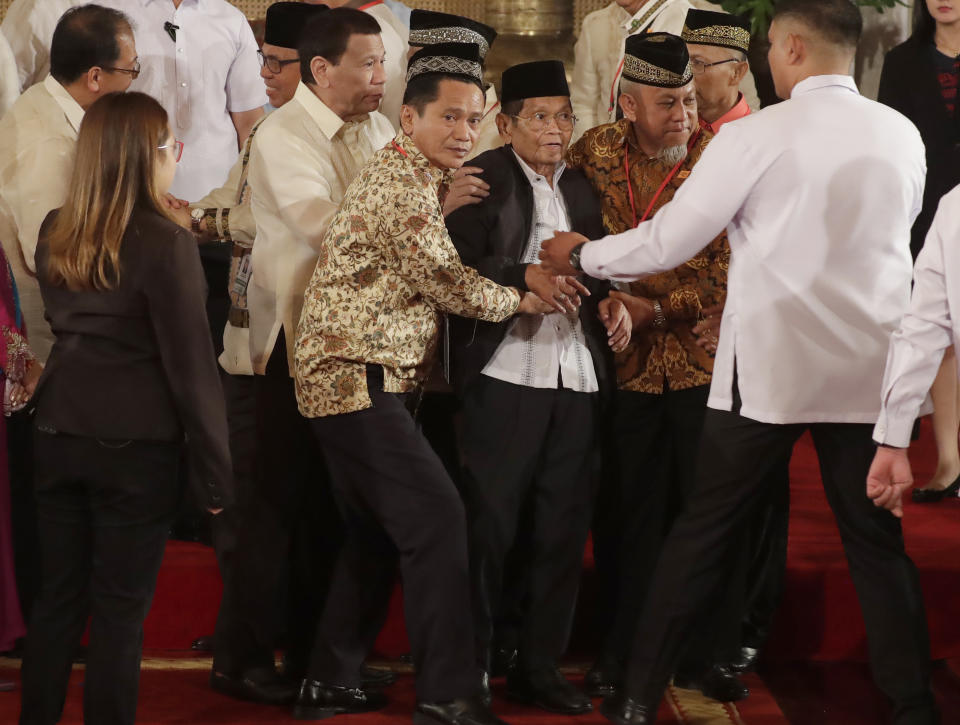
[
  {"x": 657, "y": 59},
  {"x": 455, "y": 59},
  {"x": 285, "y": 21},
  {"x": 538, "y": 79},
  {"x": 706, "y": 27},
  {"x": 428, "y": 28}
]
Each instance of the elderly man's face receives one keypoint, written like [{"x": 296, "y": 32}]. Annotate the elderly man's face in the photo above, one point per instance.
[
  {"x": 717, "y": 74},
  {"x": 540, "y": 133},
  {"x": 282, "y": 85},
  {"x": 662, "y": 117}
]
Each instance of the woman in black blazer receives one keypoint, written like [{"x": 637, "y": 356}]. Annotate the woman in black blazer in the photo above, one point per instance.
[
  {"x": 131, "y": 376},
  {"x": 919, "y": 79}
]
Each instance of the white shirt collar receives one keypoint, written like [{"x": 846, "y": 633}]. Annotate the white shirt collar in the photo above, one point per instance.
[
  {"x": 328, "y": 121},
  {"x": 533, "y": 176},
  {"x": 198, "y": 3},
  {"x": 71, "y": 108},
  {"x": 816, "y": 83}
]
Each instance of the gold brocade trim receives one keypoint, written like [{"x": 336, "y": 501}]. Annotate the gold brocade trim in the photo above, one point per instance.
[
  {"x": 432, "y": 36},
  {"x": 641, "y": 71},
  {"x": 726, "y": 36},
  {"x": 647, "y": 16},
  {"x": 445, "y": 64}
]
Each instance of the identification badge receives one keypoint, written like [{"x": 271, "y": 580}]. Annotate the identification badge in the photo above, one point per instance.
[
  {"x": 243, "y": 275},
  {"x": 683, "y": 174}
]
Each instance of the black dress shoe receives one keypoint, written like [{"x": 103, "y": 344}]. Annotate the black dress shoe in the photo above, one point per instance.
[
  {"x": 718, "y": 683},
  {"x": 484, "y": 694},
  {"x": 466, "y": 711},
  {"x": 202, "y": 644},
  {"x": 260, "y": 685},
  {"x": 318, "y": 701},
  {"x": 376, "y": 678},
  {"x": 627, "y": 711},
  {"x": 548, "y": 690},
  {"x": 602, "y": 679},
  {"x": 935, "y": 495},
  {"x": 746, "y": 661},
  {"x": 503, "y": 660}
]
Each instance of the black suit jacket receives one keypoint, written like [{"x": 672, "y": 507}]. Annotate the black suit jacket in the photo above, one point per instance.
[
  {"x": 491, "y": 237},
  {"x": 908, "y": 83},
  {"x": 136, "y": 362}
]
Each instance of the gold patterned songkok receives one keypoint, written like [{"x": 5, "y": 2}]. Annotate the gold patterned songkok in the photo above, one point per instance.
[
  {"x": 705, "y": 27},
  {"x": 429, "y": 28},
  {"x": 657, "y": 59}
]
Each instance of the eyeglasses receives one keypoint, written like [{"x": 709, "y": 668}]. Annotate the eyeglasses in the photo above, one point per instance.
[
  {"x": 134, "y": 72},
  {"x": 699, "y": 67},
  {"x": 177, "y": 146},
  {"x": 539, "y": 122},
  {"x": 273, "y": 63}
]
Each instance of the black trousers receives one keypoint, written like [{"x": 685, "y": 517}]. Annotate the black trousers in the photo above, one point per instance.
[
  {"x": 649, "y": 473},
  {"x": 735, "y": 461},
  {"x": 288, "y": 538},
  {"x": 23, "y": 509},
  {"x": 531, "y": 452},
  {"x": 104, "y": 512},
  {"x": 396, "y": 498}
]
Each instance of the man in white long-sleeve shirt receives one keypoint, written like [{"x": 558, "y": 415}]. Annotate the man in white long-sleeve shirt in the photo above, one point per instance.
[
  {"x": 818, "y": 195},
  {"x": 930, "y": 326}
]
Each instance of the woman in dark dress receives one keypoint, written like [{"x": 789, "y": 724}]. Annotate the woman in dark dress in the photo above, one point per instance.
[
  {"x": 920, "y": 79},
  {"x": 131, "y": 377}
]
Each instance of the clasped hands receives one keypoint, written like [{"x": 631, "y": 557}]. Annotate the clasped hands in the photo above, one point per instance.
[{"x": 564, "y": 293}]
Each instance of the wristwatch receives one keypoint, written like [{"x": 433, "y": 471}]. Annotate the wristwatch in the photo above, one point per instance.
[
  {"x": 659, "y": 319},
  {"x": 575, "y": 257},
  {"x": 196, "y": 216}
]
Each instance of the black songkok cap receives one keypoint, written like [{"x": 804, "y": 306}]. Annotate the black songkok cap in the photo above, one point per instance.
[
  {"x": 657, "y": 59},
  {"x": 455, "y": 59},
  {"x": 428, "y": 28},
  {"x": 706, "y": 27},
  {"x": 538, "y": 79},
  {"x": 285, "y": 22}
]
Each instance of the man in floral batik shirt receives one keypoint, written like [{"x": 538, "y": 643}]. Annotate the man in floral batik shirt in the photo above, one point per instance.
[{"x": 367, "y": 336}]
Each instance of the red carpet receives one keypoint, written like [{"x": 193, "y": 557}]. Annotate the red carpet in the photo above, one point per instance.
[
  {"x": 175, "y": 691},
  {"x": 819, "y": 617}
]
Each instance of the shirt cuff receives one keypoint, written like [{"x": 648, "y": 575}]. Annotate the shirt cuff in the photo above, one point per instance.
[
  {"x": 590, "y": 260},
  {"x": 891, "y": 431}
]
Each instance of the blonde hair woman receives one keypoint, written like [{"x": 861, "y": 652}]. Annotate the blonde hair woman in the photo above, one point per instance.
[{"x": 130, "y": 379}]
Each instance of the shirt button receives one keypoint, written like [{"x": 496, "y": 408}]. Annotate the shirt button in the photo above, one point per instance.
[
  {"x": 179, "y": 50},
  {"x": 183, "y": 85}
]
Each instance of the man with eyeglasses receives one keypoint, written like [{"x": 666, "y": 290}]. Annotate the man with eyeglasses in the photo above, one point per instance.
[
  {"x": 91, "y": 46},
  {"x": 636, "y": 165},
  {"x": 530, "y": 387}
]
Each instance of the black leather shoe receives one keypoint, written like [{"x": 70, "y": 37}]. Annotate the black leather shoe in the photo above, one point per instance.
[
  {"x": 602, "y": 679},
  {"x": 255, "y": 685},
  {"x": 548, "y": 690},
  {"x": 626, "y": 711},
  {"x": 376, "y": 678},
  {"x": 318, "y": 701},
  {"x": 503, "y": 660},
  {"x": 486, "y": 697},
  {"x": 747, "y": 660},
  {"x": 202, "y": 644},
  {"x": 467, "y": 711},
  {"x": 718, "y": 683},
  {"x": 935, "y": 495}
]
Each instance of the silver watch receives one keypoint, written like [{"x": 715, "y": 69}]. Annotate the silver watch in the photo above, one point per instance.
[
  {"x": 659, "y": 319},
  {"x": 575, "y": 257}
]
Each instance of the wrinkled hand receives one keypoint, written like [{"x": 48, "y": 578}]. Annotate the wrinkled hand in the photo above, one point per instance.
[
  {"x": 562, "y": 292},
  {"x": 640, "y": 309},
  {"x": 174, "y": 203},
  {"x": 555, "y": 252},
  {"x": 708, "y": 329},
  {"x": 888, "y": 478},
  {"x": 616, "y": 318},
  {"x": 531, "y": 304},
  {"x": 467, "y": 188}
]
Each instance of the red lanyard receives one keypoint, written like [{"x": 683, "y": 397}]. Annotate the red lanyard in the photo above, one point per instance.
[
  {"x": 493, "y": 108},
  {"x": 613, "y": 88},
  {"x": 367, "y": 6},
  {"x": 673, "y": 172},
  {"x": 400, "y": 150}
]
